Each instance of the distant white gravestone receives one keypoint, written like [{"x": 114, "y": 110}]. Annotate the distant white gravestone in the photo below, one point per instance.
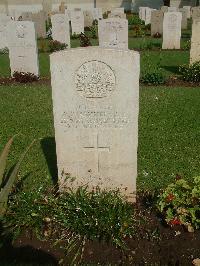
[
  {"x": 4, "y": 20},
  {"x": 77, "y": 22},
  {"x": 22, "y": 47},
  {"x": 157, "y": 22},
  {"x": 195, "y": 42},
  {"x": 96, "y": 106},
  {"x": 60, "y": 28},
  {"x": 113, "y": 33},
  {"x": 172, "y": 30}
]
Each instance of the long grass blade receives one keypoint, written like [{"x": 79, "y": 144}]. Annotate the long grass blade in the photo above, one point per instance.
[
  {"x": 4, "y": 193},
  {"x": 3, "y": 158}
]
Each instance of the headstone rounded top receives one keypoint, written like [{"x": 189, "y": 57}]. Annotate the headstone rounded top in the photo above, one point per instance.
[{"x": 95, "y": 79}]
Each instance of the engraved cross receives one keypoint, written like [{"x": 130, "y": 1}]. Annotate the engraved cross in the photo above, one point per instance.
[{"x": 97, "y": 149}]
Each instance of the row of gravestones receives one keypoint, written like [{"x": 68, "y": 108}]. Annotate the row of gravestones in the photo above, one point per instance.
[
  {"x": 21, "y": 38},
  {"x": 113, "y": 33},
  {"x": 169, "y": 23},
  {"x": 145, "y": 13}
]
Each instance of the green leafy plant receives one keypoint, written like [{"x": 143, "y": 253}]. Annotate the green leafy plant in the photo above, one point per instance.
[
  {"x": 75, "y": 36},
  {"x": 152, "y": 74},
  {"x": 24, "y": 77},
  {"x": 94, "y": 31},
  {"x": 7, "y": 178},
  {"x": 190, "y": 73},
  {"x": 138, "y": 31},
  {"x": 74, "y": 216},
  {"x": 180, "y": 203},
  {"x": 135, "y": 20},
  {"x": 187, "y": 45},
  {"x": 55, "y": 46}
]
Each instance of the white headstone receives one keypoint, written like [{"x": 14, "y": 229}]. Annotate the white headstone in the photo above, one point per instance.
[
  {"x": 88, "y": 18},
  {"x": 142, "y": 13},
  {"x": 195, "y": 12},
  {"x": 60, "y": 28},
  {"x": 117, "y": 15},
  {"x": 172, "y": 9},
  {"x": 172, "y": 30},
  {"x": 195, "y": 42},
  {"x": 157, "y": 22},
  {"x": 188, "y": 9},
  {"x": 113, "y": 33},
  {"x": 97, "y": 13},
  {"x": 22, "y": 46},
  {"x": 164, "y": 9},
  {"x": 4, "y": 20},
  {"x": 77, "y": 22},
  {"x": 96, "y": 106},
  {"x": 184, "y": 18}
]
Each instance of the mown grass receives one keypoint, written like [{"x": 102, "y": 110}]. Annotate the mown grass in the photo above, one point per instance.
[{"x": 169, "y": 138}]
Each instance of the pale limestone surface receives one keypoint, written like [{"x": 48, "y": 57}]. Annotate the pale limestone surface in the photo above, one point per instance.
[
  {"x": 188, "y": 9},
  {"x": 77, "y": 21},
  {"x": 148, "y": 15},
  {"x": 195, "y": 12},
  {"x": 172, "y": 9},
  {"x": 118, "y": 10},
  {"x": 113, "y": 33},
  {"x": 4, "y": 20},
  {"x": 97, "y": 13},
  {"x": 96, "y": 106},
  {"x": 142, "y": 13},
  {"x": 164, "y": 9},
  {"x": 117, "y": 15},
  {"x": 60, "y": 28},
  {"x": 88, "y": 18},
  {"x": 40, "y": 23},
  {"x": 195, "y": 41},
  {"x": 172, "y": 30},
  {"x": 22, "y": 47},
  {"x": 39, "y": 20},
  {"x": 157, "y": 22},
  {"x": 184, "y": 18}
]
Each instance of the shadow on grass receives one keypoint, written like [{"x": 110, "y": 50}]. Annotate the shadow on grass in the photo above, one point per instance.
[
  {"x": 172, "y": 69},
  {"x": 49, "y": 149}
]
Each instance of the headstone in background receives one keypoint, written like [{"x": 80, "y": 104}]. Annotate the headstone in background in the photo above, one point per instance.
[
  {"x": 62, "y": 8},
  {"x": 195, "y": 12},
  {"x": 4, "y": 20},
  {"x": 117, "y": 15},
  {"x": 40, "y": 23},
  {"x": 184, "y": 18},
  {"x": 172, "y": 30},
  {"x": 113, "y": 33},
  {"x": 118, "y": 10},
  {"x": 97, "y": 13},
  {"x": 164, "y": 9},
  {"x": 96, "y": 106},
  {"x": 142, "y": 13},
  {"x": 88, "y": 18},
  {"x": 148, "y": 16},
  {"x": 188, "y": 9},
  {"x": 77, "y": 22},
  {"x": 22, "y": 46},
  {"x": 172, "y": 9},
  {"x": 60, "y": 28},
  {"x": 157, "y": 22},
  {"x": 195, "y": 42}
]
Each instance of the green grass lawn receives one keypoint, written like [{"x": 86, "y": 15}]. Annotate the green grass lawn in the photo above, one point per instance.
[{"x": 169, "y": 132}]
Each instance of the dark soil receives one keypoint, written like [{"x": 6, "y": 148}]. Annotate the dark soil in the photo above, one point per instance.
[{"x": 154, "y": 243}]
